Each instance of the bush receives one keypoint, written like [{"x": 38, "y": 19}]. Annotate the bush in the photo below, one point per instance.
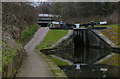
[{"x": 28, "y": 33}]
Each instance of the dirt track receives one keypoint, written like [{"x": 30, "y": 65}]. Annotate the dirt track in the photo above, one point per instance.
[{"x": 35, "y": 65}]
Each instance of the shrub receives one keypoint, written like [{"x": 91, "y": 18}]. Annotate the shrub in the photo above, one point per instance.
[{"x": 28, "y": 32}]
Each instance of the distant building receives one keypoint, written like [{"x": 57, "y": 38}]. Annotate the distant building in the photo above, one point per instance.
[{"x": 45, "y": 19}]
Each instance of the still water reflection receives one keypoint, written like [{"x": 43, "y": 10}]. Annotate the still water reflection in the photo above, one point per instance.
[
  {"x": 79, "y": 54},
  {"x": 84, "y": 59}
]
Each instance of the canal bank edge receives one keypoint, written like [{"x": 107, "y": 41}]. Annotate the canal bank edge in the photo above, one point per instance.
[
  {"x": 104, "y": 38},
  {"x": 55, "y": 70},
  {"x": 69, "y": 62}
]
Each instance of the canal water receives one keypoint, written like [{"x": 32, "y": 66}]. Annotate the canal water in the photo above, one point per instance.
[{"x": 83, "y": 60}]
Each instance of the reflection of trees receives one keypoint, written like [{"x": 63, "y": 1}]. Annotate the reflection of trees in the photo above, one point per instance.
[
  {"x": 79, "y": 54},
  {"x": 78, "y": 41}
]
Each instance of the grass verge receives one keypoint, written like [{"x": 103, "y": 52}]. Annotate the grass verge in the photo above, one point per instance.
[
  {"x": 111, "y": 33},
  {"x": 9, "y": 52},
  {"x": 52, "y": 37},
  {"x": 109, "y": 25}
]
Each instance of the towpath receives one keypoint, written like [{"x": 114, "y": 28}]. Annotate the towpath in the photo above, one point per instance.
[{"x": 35, "y": 65}]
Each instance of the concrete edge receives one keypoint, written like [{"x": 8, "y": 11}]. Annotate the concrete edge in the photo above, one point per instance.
[
  {"x": 69, "y": 62},
  {"x": 104, "y": 38},
  {"x": 55, "y": 70}
]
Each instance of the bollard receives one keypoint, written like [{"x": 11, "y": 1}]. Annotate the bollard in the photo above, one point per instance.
[
  {"x": 77, "y": 25},
  {"x": 78, "y": 66}
]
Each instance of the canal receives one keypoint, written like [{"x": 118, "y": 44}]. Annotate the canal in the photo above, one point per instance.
[{"x": 83, "y": 59}]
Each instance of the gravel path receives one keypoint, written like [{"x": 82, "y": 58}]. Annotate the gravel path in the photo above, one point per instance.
[{"x": 35, "y": 65}]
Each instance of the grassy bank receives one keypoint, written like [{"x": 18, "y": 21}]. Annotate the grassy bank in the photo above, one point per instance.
[
  {"x": 52, "y": 37},
  {"x": 12, "y": 50},
  {"x": 28, "y": 33},
  {"x": 109, "y": 25},
  {"x": 12, "y": 57},
  {"x": 113, "y": 35}
]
